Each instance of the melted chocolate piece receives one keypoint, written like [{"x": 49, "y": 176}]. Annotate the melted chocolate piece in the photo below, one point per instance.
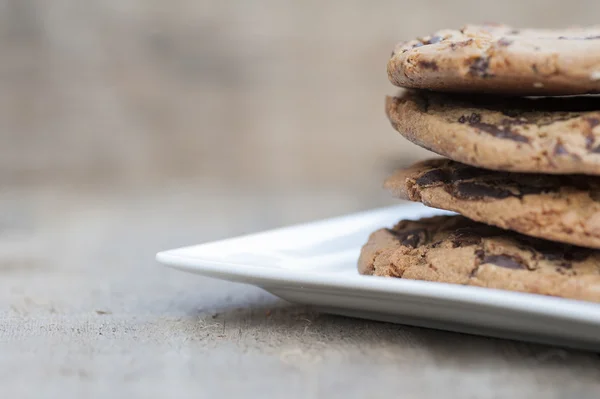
[
  {"x": 480, "y": 230},
  {"x": 511, "y": 113},
  {"x": 554, "y": 251},
  {"x": 464, "y": 240},
  {"x": 470, "y": 183},
  {"x": 433, "y": 178},
  {"x": 589, "y": 141},
  {"x": 576, "y": 254},
  {"x": 504, "y": 42},
  {"x": 435, "y": 39},
  {"x": 548, "y": 107},
  {"x": 502, "y": 132},
  {"x": 473, "y": 118},
  {"x": 411, "y": 238},
  {"x": 422, "y": 102},
  {"x": 559, "y": 149},
  {"x": 506, "y": 261},
  {"x": 528, "y": 190},
  {"x": 595, "y": 150},
  {"x": 593, "y": 122},
  {"x": 479, "y": 67},
  {"x": 579, "y": 38},
  {"x": 428, "y": 65},
  {"x": 472, "y": 190},
  {"x": 534, "y": 68},
  {"x": 468, "y": 172},
  {"x": 456, "y": 45},
  {"x": 595, "y": 195},
  {"x": 566, "y": 265}
]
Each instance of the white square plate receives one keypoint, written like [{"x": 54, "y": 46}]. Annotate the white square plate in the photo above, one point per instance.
[{"x": 315, "y": 264}]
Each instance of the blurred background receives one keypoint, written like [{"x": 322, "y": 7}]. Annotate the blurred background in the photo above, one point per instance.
[{"x": 231, "y": 99}]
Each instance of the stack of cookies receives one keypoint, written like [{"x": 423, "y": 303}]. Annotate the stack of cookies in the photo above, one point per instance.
[{"x": 514, "y": 114}]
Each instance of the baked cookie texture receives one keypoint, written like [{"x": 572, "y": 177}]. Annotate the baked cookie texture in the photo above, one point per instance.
[
  {"x": 501, "y": 59},
  {"x": 555, "y": 135},
  {"x": 563, "y": 208},
  {"x": 457, "y": 250}
]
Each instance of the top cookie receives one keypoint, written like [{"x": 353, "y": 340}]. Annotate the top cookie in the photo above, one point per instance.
[{"x": 501, "y": 59}]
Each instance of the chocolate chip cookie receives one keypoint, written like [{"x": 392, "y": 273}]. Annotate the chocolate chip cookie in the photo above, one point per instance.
[
  {"x": 557, "y": 135},
  {"x": 454, "y": 249},
  {"x": 563, "y": 208},
  {"x": 501, "y": 59}
]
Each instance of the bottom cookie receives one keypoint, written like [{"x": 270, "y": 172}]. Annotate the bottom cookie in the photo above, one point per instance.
[{"x": 454, "y": 249}]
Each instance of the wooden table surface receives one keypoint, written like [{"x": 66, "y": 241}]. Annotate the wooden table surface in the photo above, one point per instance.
[{"x": 129, "y": 127}]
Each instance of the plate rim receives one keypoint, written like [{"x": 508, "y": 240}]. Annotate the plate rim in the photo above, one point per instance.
[{"x": 565, "y": 309}]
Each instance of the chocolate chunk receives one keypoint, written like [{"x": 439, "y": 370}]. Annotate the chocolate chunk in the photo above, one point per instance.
[
  {"x": 529, "y": 190},
  {"x": 593, "y": 122},
  {"x": 534, "y": 68},
  {"x": 589, "y": 141},
  {"x": 435, "y": 39},
  {"x": 595, "y": 195},
  {"x": 432, "y": 178},
  {"x": 456, "y": 45},
  {"x": 479, "y": 67},
  {"x": 480, "y": 254},
  {"x": 589, "y": 137},
  {"x": 576, "y": 254},
  {"x": 506, "y": 261},
  {"x": 480, "y": 230},
  {"x": 472, "y": 190},
  {"x": 595, "y": 150},
  {"x": 411, "y": 238},
  {"x": 559, "y": 149},
  {"x": 511, "y": 113},
  {"x": 555, "y": 251},
  {"x": 422, "y": 102},
  {"x": 428, "y": 65},
  {"x": 579, "y": 37},
  {"x": 468, "y": 172},
  {"x": 504, "y": 42},
  {"x": 501, "y": 132},
  {"x": 464, "y": 240},
  {"x": 473, "y": 118}
]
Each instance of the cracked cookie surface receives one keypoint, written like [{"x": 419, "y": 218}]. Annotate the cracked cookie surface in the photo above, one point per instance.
[
  {"x": 501, "y": 59},
  {"x": 556, "y": 135},
  {"x": 457, "y": 250},
  {"x": 562, "y": 208}
]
